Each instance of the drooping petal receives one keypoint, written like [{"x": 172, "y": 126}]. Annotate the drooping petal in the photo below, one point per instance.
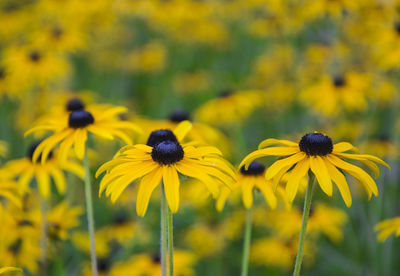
[
  {"x": 319, "y": 169},
  {"x": 275, "y": 168},
  {"x": 344, "y": 146},
  {"x": 340, "y": 182},
  {"x": 266, "y": 189},
  {"x": 355, "y": 171},
  {"x": 247, "y": 185},
  {"x": 182, "y": 129},
  {"x": 80, "y": 142},
  {"x": 43, "y": 182},
  {"x": 271, "y": 141},
  {"x": 187, "y": 170},
  {"x": 171, "y": 187},
  {"x": 364, "y": 157},
  {"x": 59, "y": 179},
  {"x": 274, "y": 151},
  {"x": 295, "y": 176},
  {"x": 146, "y": 187}
]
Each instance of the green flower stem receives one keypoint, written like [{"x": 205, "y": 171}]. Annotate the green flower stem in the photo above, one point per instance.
[
  {"x": 303, "y": 231},
  {"x": 89, "y": 214},
  {"x": 43, "y": 235},
  {"x": 170, "y": 243},
  {"x": 247, "y": 241},
  {"x": 163, "y": 247}
]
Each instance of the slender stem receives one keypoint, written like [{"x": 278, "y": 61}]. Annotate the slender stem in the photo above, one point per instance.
[
  {"x": 170, "y": 243},
  {"x": 89, "y": 213},
  {"x": 246, "y": 243},
  {"x": 163, "y": 247},
  {"x": 303, "y": 231},
  {"x": 43, "y": 235}
]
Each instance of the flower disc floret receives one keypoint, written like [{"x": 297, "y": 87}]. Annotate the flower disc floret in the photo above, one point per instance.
[
  {"x": 178, "y": 116},
  {"x": 80, "y": 119},
  {"x": 167, "y": 152},
  {"x": 159, "y": 136},
  {"x": 75, "y": 104},
  {"x": 316, "y": 144},
  {"x": 254, "y": 169},
  {"x": 339, "y": 81}
]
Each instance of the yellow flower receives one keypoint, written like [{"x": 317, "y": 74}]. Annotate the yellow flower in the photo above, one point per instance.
[
  {"x": 150, "y": 59},
  {"x": 278, "y": 252},
  {"x": 332, "y": 94},
  {"x": 81, "y": 240},
  {"x": 9, "y": 188},
  {"x": 192, "y": 82},
  {"x": 62, "y": 218},
  {"x": 161, "y": 160},
  {"x": 387, "y": 228},
  {"x": 121, "y": 228},
  {"x": 247, "y": 180},
  {"x": 73, "y": 128},
  {"x": 317, "y": 153},
  {"x": 230, "y": 107},
  {"x": 204, "y": 240},
  {"x": 32, "y": 66},
  {"x": 25, "y": 170}
]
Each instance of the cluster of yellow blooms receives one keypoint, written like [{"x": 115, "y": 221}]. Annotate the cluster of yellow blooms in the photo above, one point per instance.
[{"x": 340, "y": 75}]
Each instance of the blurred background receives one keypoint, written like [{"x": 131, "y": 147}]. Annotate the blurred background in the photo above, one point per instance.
[{"x": 241, "y": 71}]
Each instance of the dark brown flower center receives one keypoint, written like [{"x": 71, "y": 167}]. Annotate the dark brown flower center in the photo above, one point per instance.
[
  {"x": 75, "y": 104},
  {"x": 167, "y": 152},
  {"x": 316, "y": 144},
  {"x": 80, "y": 119},
  {"x": 159, "y": 136},
  {"x": 254, "y": 169},
  {"x": 178, "y": 116}
]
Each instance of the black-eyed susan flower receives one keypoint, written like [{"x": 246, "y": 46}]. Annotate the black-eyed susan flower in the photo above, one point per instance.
[
  {"x": 72, "y": 128},
  {"x": 388, "y": 227},
  {"x": 161, "y": 160},
  {"x": 316, "y": 152},
  {"x": 230, "y": 107},
  {"x": 24, "y": 170},
  {"x": 247, "y": 180},
  {"x": 3, "y": 149},
  {"x": 348, "y": 92},
  {"x": 61, "y": 219}
]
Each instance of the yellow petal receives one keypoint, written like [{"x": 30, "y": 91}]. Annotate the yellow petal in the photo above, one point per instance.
[
  {"x": 319, "y": 169},
  {"x": 182, "y": 129},
  {"x": 274, "y": 151},
  {"x": 271, "y": 141},
  {"x": 43, "y": 182},
  {"x": 363, "y": 157},
  {"x": 266, "y": 188},
  {"x": 343, "y": 146},
  {"x": 187, "y": 170},
  {"x": 275, "y": 168},
  {"x": 295, "y": 176},
  {"x": 355, "y": 171},
  {"x": 80, "y": 142},
  {"x": 340, "y": 182},
  {"x": 247, "y": 185},
  {"x": 9, "y": 269},
  {"x": 146, "y": 187},
  {"x": 171, "y": 187},
  {"x": 59, "y": 180}
]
